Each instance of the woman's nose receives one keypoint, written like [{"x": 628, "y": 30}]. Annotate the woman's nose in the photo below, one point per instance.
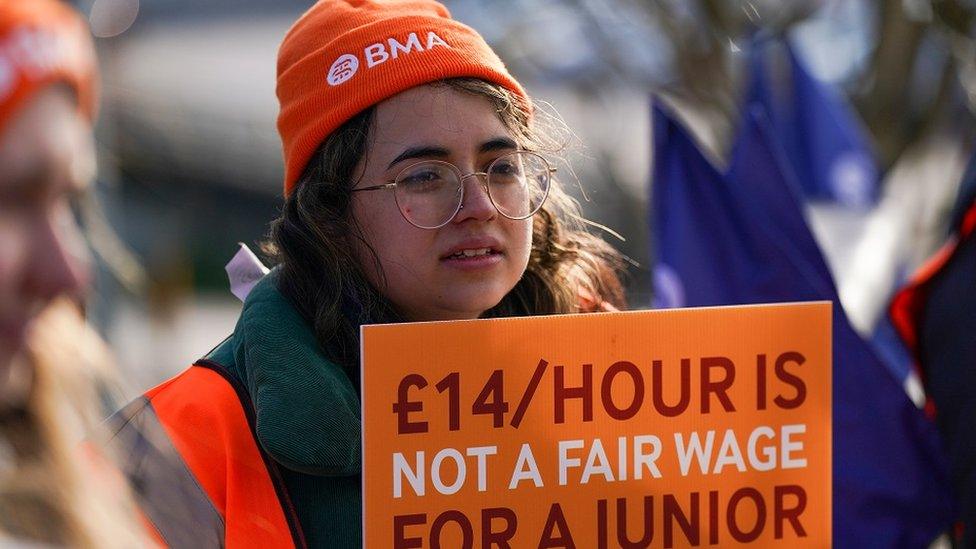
[{"x": 475, "y": 202}]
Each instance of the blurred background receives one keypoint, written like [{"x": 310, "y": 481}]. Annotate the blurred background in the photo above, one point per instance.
[{"x": 190, "y": 161}]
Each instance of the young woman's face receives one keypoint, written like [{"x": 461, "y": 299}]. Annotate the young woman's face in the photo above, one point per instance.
[
  {"x": 46, "y": 158},
  {"x": 427, "y": 276}
]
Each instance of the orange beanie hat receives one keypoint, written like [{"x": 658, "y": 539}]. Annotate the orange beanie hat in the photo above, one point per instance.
[
  {"x": 342, "y": 56},
  {"x": 43, "y": 42}
]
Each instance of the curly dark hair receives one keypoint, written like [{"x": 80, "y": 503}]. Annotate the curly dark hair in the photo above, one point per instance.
[{"x": 320, "y": 275}]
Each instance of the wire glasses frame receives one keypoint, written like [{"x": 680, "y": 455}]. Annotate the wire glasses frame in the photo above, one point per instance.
[{"x": 430, "y": 193}]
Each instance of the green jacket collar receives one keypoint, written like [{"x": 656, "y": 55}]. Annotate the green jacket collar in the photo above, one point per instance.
[{"x": 308, "y": 411}]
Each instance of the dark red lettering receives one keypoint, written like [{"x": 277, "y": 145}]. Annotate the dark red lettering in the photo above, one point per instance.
[
  {"x": 457, "y": 517},
  {"x": 647, "y": 537},
  {"x": 761, "y": 382},
  {"x": 601, "y": 524},
  {"x": 556, "y": 521},
  {"x": 400, "y": 523},
  {"x": 491, "y": 538},
  {"x": 606, "y": 390},
  {"x": 403, "y": 406},
  {"x": 657, "y": 389},
  {"x": 713, "y": 517},
  {"x": 730, "y": 515},
  {"x": 491, "y": 400},
  {"x": 561, "y": 393},
  {"x": 792, "y": 514},
  {"x": 718, "y": 388},
  {"x": 673, "y": 513},
  {"x": 790, "y": 379},
  {"x": 452, "y": 384}
]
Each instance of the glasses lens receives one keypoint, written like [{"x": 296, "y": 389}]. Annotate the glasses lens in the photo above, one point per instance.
[
  {"x": 428, "y": 194},
  {"x": 518, "y": 184}
]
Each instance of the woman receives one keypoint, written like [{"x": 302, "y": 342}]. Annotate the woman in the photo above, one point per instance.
[
  {"x": 415, "y": 189},
  {"x": 51, "y": 363}
]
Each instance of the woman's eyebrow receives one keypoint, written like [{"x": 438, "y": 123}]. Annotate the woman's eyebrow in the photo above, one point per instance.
[
  {"x": 429, "y": 151},
  {"x": 420, "y": 152},
  {"x": 498, "y": 144}
]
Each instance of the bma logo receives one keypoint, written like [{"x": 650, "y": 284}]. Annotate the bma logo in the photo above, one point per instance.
[
  {"x": 345, "y": 66},
  {"x": 343, "y": 69}
]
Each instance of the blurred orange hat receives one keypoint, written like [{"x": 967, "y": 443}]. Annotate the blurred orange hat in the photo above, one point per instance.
[
  {"x": 43, "y": 42},
  {"x": 343, "y": 56}
]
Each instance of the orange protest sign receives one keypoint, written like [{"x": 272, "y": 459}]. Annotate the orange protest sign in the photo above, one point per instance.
[{"x": 639, "y": 429}]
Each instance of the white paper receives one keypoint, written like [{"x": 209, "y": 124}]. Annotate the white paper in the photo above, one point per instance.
[{"x": 244, "y": 271}]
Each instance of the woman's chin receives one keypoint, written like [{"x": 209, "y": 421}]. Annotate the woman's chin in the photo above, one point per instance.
[{"x": 468, "y": 308}]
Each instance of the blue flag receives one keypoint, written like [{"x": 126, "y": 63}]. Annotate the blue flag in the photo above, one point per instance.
[
  {"x": 741, "y": 237},
  {"x": 709, "y": 251},
  {"x": 822, "y": 137},
  {"x": 828, "y": 155},
  {"x": 891, "y": 349}
]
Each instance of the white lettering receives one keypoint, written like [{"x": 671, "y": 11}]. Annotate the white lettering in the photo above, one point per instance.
[
  {"x": 597, "y": 464},
  {"x": 435, "y": 471},
  {"x": 729, "y": 453},
  {"x": 566, "y": 462},
  {"x": 694, "y": 449},
  {"x": 647, "y": 460},
  {"x": 375, "y": 55},
  {"x": 621, "y": 458},
  {"x": 434, "y": 40},
  {"x": 788, "y": 446},
  {"x": 769, "y": 451},
  {"x": 762, "y": 456},
  {"x": 482, "y": 452},
  {"x": 412, "y": 43},
  {"x": 525, "y": 469},
  {"x": 415, "y": 476}
]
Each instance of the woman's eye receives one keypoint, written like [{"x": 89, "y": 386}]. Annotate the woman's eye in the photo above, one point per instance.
[
  {"x": 422, "y": 179},
  {"x": 504, "y": 168}
]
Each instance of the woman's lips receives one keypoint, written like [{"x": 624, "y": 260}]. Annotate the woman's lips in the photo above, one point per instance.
[
  {"x": 473, "y": 247},
  {"x": 471, "y": 252},
  {"x": 473, "y": 259},
  {"x": 474, "y": 253}
]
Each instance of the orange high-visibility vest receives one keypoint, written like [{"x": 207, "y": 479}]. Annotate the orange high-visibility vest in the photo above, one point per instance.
[{"x": 188, "y": 447}]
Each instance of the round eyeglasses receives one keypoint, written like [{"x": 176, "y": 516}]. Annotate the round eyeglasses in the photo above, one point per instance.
[{"x": 430, "y": 193}]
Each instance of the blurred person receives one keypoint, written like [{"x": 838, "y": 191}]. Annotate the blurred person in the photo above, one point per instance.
[
  {"x": 936, "y": 316},
  {"x": 52, "y": 490},
  {"x": 417, "y": 188}
]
